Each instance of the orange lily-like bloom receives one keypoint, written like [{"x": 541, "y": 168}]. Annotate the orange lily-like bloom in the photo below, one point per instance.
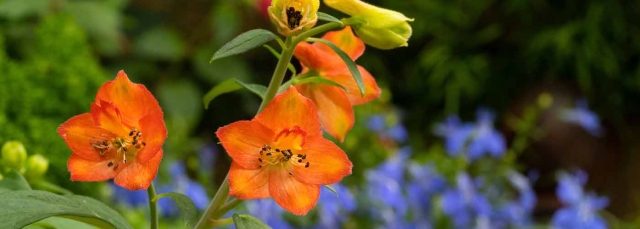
[
  {"x": 281, "y": 154},
  {"x": 120, "y": 138},
  {"x": 335, "y": 105}
]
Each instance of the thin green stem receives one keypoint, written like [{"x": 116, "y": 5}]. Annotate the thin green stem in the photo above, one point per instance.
[
  {"x": 153, "y": 208},
  {"x": 317, "y": 30},
  {"x": 227, "y": 207},
  {"x": 221, "y": 222},
  {"x": 218, "y": 200},
  {"x": 278, "y": 74}
]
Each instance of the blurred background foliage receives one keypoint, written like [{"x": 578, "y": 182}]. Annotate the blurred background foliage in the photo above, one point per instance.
[{"x": 463, "y": 55}]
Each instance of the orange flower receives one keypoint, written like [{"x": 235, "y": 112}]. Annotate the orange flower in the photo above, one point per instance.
[
  {"x": 281, "y": 154},
  {"x": 108, "y": 142},
  {"x": 335, "y": 105}
]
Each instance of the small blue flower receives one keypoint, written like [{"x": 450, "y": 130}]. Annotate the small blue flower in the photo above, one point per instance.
[
  {"x": 397, "y": 132},
  {"x": 181, "y": 183},
  {"x": 518, "y": 213},
  {"x": 385, "y": 184},
  {"x": 580, "y": 209},
  {"x": 129, "y": 198},
  {"x": 481, "y": 137},
  {"x": 376, "y": 123},
  {"x": 465, "y": 205},
  {"x": 334, "y": 208},
  {"x": 581, "y": 115},
  {"x": 269, "y": 212}
]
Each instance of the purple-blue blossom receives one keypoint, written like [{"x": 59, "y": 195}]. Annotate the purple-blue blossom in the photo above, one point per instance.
[
  {"x": 333, "y": 209},
  {"x": 582, "y": 116},
  {"x": 473, "y": 140},
  {"x": 580, "y": 209},
  {"x": 465, "y": 205},
  {"x": 385, "y": 189},
  {"x": 181, "y": 183},
  {"x": 268, "y": 211}
]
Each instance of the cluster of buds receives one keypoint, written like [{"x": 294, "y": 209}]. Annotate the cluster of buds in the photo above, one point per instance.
[{"x": 14, "y": 157}]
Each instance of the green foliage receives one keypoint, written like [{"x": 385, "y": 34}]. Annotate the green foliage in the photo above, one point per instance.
[
  {"x": 185, "y": 204},
  {"x": 54, "y": 78},
  {"x": 353, "y": 68},
  {"x": 248, "y": 222},
  {"x": 244, "y": 42}
]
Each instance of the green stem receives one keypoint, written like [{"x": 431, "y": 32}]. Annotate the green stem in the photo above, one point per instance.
[
  {"x": 153, "y": 208},
  {"x": 221, "y": 222},
  {"x": 219, "y": 199},
  {"x": 227, "y": 207},
  {"x": 278, "y": 74},
  {"x": 317, "y": 30}
]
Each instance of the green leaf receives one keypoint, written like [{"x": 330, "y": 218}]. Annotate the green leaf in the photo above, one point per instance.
[
  {"x": 185, "y": 205},
  {"x": 289, "y": 65},
  {"x": 13, "y": 181},
  {"x": 21, "y": 208},
  {"x": 320, "y": 80},
  {"x": 257, "y": 89},
  {"x": 331, "y": 189},
  {"x": 326, "y": 17},
  {"x": 232, "y": 85},
  {"x": 248, "y": 222},
  {"x": 222, "y": 88},
  {"x": 244, "y": 42},
  {"x": 353, "y": 68}
]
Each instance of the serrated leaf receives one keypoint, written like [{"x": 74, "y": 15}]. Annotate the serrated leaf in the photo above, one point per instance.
[
  {"x": 230, "y": 85},
  {"x": 327, "y": 17},
  {"x": 13, "y": 181},
  {"x": 331, "y": 189},
  {"x": 248, "y": 222},
  {"x": 21, "y": 208},
  {"x": 320, "y": 80},
  {"x": 353, "y": 68},
  {"x": 277, "y": 55},
  {"x": 187, "y": 208},
  {"x": 244, "y": 42}
]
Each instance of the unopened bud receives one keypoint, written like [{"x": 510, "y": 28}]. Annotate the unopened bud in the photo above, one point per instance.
[
  {"x": 37, "y": 165},
  {"x": 13, "y": 155},
  {"x": 377, "y": 27}
]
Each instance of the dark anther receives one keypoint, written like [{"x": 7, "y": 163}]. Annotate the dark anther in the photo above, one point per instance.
[
  {"x": 124, "y": 161},
  {"x": 304, "y": 156},
  {"x": 131, "y": 133},
  {"x": 135, "y": 141},
  {"x": 300, "y": 155},
  {"x": 277, "y": 150},
  {"x": 124, "y": 149},
  {"x": 260, "y": 152},
  {"x": 110, "y": 164},
  {"x": 299, "y": 160},
  {"x": 268, "y": 154},
  {"x": 293, "y": 18},
  {"x": 290, "y": 173},
  {"x": 105, "y": 142},
  {"x": 138, "y": 147},
  {"x": 116, "y": 167},
  {"x": 306, "y": 165},
  {"x": 260, "y": 159},
  {"x": 144, "y": 144},
  {"x": 264, "y": 148}
]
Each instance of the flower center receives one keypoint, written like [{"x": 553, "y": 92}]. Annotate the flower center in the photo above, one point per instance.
[
  {"x": 120, "y": 147},
  {"x": 284, "y": 149},
  {"x": 293, "y": 17}
]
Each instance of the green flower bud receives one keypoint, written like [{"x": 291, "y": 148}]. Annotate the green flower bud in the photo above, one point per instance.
[
  {"x": 37, "y": 166},
  {"x": 380, "y": 28},
  {"x": 13, "y": 155},
  {"x": 291, "y": 17}
]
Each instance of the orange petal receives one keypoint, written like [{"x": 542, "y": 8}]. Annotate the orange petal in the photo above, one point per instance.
[
  {"x": 317, "y": 59},
  {"x": 137, "y": 175},
  {"x": 291, "y": 194},
  {"x": 290, "y": 109},
  {"x": 328, "y": 164},
  {"x": 345, "y": 40},
  {"x": 248, "y": 183},
  {"x": 82, "y": 169},
  {"x": 243, "y": 140},
  {"x": 80, "y": 132},
  {"x": 154, "y": 132},
  {"x": 133, "y": 100},
  {"x": 108, "y": 117},
  {"x": 334, "y": 109},
  {"x": 344, "y": 78}
]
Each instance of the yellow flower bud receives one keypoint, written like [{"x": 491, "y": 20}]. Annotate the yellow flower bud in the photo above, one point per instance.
[
  {"x": 13, "y": 155},
  {"x": 380, "y": 28},
  {"x": 37, "y": 165},
  {"x": 291, "y": 17}
]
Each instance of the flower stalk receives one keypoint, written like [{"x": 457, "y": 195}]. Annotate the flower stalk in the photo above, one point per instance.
[{"x": 153, "y": 207}]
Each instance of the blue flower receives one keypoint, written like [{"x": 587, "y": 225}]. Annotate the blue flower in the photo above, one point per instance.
[
  {"x": 518, "y": 213},
  {"x": 481, "y": 137},
  {"x": 425, "y": 183},
  {"x": 397, "y": 132},
  {"x": 385, "y": 184},
  {"x": 334, "y": 208},
  {"x": 581, "y": 115},
  {"x": 465, "y": 205},
  {"x": 580, "y": 209},
  {"x": 127, "y": 197},
  {"x": 268, "y": 211},
  {"x": 181, "y": 184}
]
